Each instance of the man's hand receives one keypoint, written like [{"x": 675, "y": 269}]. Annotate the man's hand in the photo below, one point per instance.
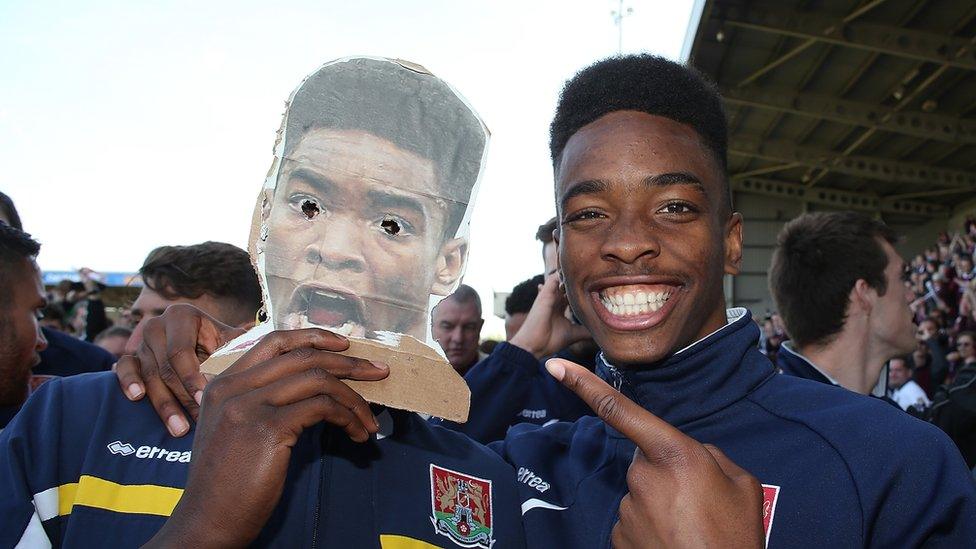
[
  {"x": 682, "y": 493},
  {"x": 251, "y": 418},
  {"x": 167, "y": 364},
  {"x": 546, "y": 329}
]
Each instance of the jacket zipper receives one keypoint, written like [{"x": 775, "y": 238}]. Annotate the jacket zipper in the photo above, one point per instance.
[
  {"x": 617, "y": 377},
  {"x": 323, "y": 445}
]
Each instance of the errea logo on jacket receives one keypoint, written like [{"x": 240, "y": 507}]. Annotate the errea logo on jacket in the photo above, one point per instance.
[{"x": 148, "y": 452}]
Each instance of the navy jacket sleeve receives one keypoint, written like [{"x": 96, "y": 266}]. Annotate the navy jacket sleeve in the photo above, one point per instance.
[
  {"x": 500, "y": 385},
  {"x": 29, "y": 470}
]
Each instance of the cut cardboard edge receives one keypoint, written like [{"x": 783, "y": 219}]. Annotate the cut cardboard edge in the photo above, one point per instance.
[{"x": 419, "y": 381}]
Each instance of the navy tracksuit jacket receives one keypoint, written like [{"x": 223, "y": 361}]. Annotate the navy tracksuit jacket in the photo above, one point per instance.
[
  {"x": 509, "y": 387},
  {"x": 838, "y": 469},
  {"x": 81, "y": 466}
]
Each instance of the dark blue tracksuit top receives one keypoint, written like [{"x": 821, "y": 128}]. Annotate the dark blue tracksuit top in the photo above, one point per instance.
[
  {"x": 81, "y": 466},
  {"x": 838, "y": 469},
  {"x": 509, "y": 387}
]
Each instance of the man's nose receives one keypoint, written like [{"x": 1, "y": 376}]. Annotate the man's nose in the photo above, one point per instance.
[
  {"x": 41, "y": 342},
  {"x": 340, "y": 246},
  {"x": 629, "y": 238},
  {"x": 132, "y": 345}
]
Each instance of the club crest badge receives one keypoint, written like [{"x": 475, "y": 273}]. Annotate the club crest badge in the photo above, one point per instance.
[
  {"x": 461, "y": 507},
  {"x": 770, "y": 496}
]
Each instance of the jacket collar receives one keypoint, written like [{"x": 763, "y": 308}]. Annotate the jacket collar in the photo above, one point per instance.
[
  {"x": 795, "y": 364},
  {"x": 700, "y": 379}
]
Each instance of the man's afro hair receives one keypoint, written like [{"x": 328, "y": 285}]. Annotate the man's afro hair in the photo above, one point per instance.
[{"x": 644, "y": 83}]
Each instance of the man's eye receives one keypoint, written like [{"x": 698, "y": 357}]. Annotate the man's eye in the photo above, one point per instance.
[
  {"x": 678, "y": 208},
  {"x": 39, "y": 314},
  {"x": 583, "y": 216}
]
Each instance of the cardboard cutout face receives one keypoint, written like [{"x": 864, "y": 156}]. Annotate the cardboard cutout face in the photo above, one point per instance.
[
  {"x": 362, "y": 223},
  {"x": 365, "y": 218}
]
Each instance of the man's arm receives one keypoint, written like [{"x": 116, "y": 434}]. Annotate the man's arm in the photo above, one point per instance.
[
  {"x": 251, "y": 417},
  {"x": 499, "y": 385}
]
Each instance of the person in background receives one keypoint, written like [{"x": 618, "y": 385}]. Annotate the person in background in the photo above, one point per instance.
[
  {"x": 902, "y": 388},
  {"x": 550, "y": 257},
  {"x": 21, "y": 338},
  {"x": 114, "y": 340},
  {"x": 62, "y": 354},
  {"x": 216, "y": 277},
  {"x": 53, "y": 317},
  {"x": 846, "y": 311},
  {"x": 954, "y": 405},
  {"x": 519, "y": 303},
  {"x": 456, "y": 325}
]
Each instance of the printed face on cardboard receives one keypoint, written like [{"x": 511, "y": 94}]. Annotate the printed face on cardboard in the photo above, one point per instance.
[{"x": 362, "y": 223}]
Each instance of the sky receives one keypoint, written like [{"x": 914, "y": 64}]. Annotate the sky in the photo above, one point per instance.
[{"x": 129, "y": 125}]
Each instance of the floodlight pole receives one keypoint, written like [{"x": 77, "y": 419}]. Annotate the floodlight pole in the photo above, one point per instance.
[{"x": 618, "y": 19}]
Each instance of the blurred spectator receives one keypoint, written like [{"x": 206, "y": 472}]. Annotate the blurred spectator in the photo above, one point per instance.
[
  {"x": 550, "y": 252},
  {"x": 838, "y": 282},
  {"x": 113, "y": 340},
  {"x": 928, "y": 359},
  {"x": 53, "y": 317},
  {"x": 902, "y": 388},
  {"x": 965, "y": 353},
  {"x": 519, "y": 302},
  {"x": 23, "y": 297},
  {"x": 456, "y": 325},
  {"x": 954, "y": 410},
  {"x": 772, "y": 336},
  {"x": 214, "y": 276},
  {"x": 487, "y": 346}
]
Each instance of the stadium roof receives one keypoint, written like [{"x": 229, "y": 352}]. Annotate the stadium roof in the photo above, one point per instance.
[{"x": 850, "y": 104}]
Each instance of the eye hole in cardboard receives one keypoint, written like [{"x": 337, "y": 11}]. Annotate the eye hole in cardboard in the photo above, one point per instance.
[
  {"x": 391, "y": 226},
  {"x": 310, "y": 209}
]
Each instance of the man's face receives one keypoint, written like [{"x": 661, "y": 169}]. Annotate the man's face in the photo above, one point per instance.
[
  {"x": 355, "y": 238},
  {"x": 20, "y": 333},
  {"x": 891, "y": 318},
  {"x": 926, "y": 330},
  {"x": 645, "y": 235},
  {"x": 898, "y": 373},
  {"x": 965, "y": 346},
  {"x": 114, "y": 344},
  {"x": 457, "y": 326},
  {"x": 151, "y": 304}
]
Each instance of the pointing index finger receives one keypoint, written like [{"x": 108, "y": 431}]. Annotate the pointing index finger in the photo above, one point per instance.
[{"x": 657, "y": 439}]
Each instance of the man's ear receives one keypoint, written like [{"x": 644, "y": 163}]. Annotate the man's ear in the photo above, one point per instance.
[
  {"x": 862, "y": 296},
  {"x": 450, "y": 266},
  {"x": 733, "y": 244}
]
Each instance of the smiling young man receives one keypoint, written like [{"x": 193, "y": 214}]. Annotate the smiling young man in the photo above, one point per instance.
[{"x": 646, "y": 235}]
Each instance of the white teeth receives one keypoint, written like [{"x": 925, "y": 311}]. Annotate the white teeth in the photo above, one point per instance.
[{"x": 636, "y": 303}]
